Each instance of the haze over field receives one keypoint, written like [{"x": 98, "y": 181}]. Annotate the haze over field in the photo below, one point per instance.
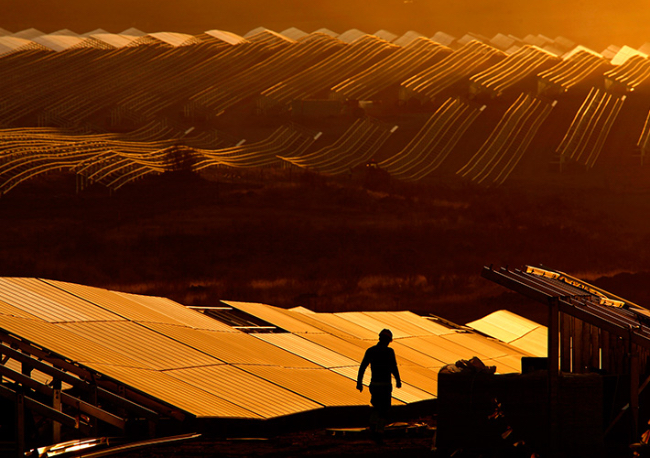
[
  {"x": 595, "y": 23},
  {"x": 334, "y": 174},
  {"x": 303, "y": 239}
]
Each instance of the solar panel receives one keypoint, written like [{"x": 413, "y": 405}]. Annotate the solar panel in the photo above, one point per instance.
[
  {"x": 411, "y": 323},
  {"x": 114, "y": 302},
  {"x": 232, "y": 348},
  {"x": 437, "y": 347},
  {"x": 273, "y": 315},
  {"x": 177, "y": 312},
  {"x": 320, "y": 385},
  {"x": 535, "y": 342},
  {"x": 244, "y": 389},
  {"x": 372, "y": 322},
  {"x": 192, "y": 362},
  {"x": 150, "y": 349},
  {"x": 62, "y": 341},
  {"x": 49, "y": 304},
  {"x": 309, "y": 350},
  {"x": 503, "y": 321},
  {"x": 519, "y": 332},
  {"x": 341, "y": 326},
  {"x": 177, "y": 392}
]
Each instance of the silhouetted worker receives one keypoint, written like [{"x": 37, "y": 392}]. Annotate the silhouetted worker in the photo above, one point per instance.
[{"x": 383, "y": 364}]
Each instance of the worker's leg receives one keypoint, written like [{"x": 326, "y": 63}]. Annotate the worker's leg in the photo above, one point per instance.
[{"x": 380, "y": 400}]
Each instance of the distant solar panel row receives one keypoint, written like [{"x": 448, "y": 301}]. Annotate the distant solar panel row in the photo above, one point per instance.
[{"x": 168, "y": 90}]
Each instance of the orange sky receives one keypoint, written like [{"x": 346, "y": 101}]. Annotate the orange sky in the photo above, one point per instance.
[{"x": 594, "y": 23}]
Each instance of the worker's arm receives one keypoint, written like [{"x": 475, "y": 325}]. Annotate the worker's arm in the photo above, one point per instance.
[
  {"x": 398, "y": 380},
  {"x": 362, "y": 370}
]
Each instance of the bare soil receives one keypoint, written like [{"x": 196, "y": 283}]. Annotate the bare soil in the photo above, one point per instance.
[
  {"x": 328, "y": 244},
  {"x": 313, "y": 443}
]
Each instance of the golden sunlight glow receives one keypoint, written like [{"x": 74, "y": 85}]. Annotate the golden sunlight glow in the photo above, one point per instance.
[{"x": 596, "y": 24}]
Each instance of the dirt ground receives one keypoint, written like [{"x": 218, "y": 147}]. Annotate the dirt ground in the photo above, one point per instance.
[
  {"x": 313, "y": 443},
  {"x": 326, "y": 244}
]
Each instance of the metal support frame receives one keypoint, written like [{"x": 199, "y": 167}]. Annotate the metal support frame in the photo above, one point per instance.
[
  {"x": 60, "y": 398},
  {"x": 65, "y": 371},
  {"x": 20, "y": 424},
  {"x": 78, "y": 381},
  {"x": 57, "y": 404},
  {"x": 553, "y": 373},
  {"x": 21, "y": 403},
  {"x": 633, "y": 357},
  {"x": 38, "y": 407}
]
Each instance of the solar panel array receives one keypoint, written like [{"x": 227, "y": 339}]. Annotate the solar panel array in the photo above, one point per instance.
[
  {"x": 99, "y": 94},
  {"x": 199, "y": 365}
]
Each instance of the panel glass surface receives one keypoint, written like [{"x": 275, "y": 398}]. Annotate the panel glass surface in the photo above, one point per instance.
[
  {"x": 149, "y": 348},
  {"x": 343, "y": 325},
  {"x": 274, "y": 315},
  {"x": 489, "y": 348},
  {"x": 535, "y": 342},
  {"x": 437, "y": 347},
  {"x": 504, "y": 325},
  {"x": 25, "y": 295},
  {"x": 59, "y": 340},
  {"x": 408, "y": 324},
  {"x": 179, "y": 313},
  {"x": 114, "y": 302},
  {"x": 306, "y": 349},
  {"x": 244, "y": 389},
  {"x": 372, "y": 323},
  {"x": 176, "y": 392},
  {"x": 320, "y": 385},
  {"x": 233, "y": 348},
  {"x": 10, "y": 310},
  {"x": 351, "y": 348}
]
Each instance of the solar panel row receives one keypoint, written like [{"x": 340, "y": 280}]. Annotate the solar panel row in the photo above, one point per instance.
[
  {"x": 133, "y": 79},
  {"x": 178, "y": 356}
]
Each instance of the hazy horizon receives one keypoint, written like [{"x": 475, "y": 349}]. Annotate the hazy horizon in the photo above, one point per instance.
[{"x": 596, "y": 24}]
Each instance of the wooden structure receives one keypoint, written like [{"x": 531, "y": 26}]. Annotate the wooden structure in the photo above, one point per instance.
[{"x": 589, "y": 330}]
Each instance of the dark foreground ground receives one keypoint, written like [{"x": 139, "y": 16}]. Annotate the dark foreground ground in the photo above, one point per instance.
[
  {"x": 322, "y": 443},
  {"x": 317, "y": 443}
]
